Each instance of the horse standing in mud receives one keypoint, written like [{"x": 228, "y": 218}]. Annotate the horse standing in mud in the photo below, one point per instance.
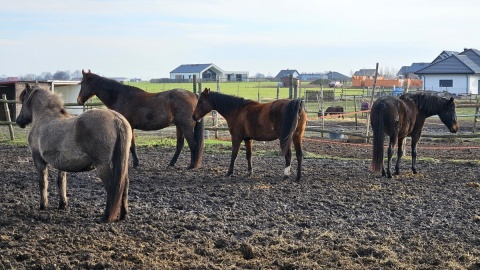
[
  {"x": 95, "y": 139},
  {"x": 249, "y": 120},
  {"x": 399, "y": 117},
  {"x": 149, "y": 111},
  {"x": 333, "y": 110}
]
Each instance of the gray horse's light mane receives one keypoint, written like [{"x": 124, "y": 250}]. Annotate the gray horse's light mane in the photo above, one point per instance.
[{"x": 49, "y": 100}]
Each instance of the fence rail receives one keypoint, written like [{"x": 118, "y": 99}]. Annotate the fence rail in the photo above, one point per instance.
[{"x": 317, "y": 129}]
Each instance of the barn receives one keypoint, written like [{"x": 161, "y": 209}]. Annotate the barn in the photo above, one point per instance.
[
  {"x": 457, "y": 73},
  {"x": 67, "y": 89},
  {"x": 207, "y": 72}
]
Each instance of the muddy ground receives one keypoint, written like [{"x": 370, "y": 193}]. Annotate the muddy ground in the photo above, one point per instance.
[{"x": 341, "y": 216}]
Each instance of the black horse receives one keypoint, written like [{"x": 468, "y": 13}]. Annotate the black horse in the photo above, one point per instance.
[{"x": 399, "y": 117}]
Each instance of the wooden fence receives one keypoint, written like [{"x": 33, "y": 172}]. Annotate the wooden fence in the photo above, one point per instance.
[{"x": 216, "y": 128}]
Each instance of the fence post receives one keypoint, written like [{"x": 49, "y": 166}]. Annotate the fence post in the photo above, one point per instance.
[
  {"x": 290, "y": 87},
  {"x": 9, "y": 120},
  {"x": 195, "y": 84}
]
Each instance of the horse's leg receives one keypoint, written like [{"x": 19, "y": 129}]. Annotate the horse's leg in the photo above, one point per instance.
[
  {"x": 180, "y": 143},
  {"x": 124, "y": 209},
  {"x": 235, "y": 147},
  {"x": 105, "y": 173},
  {"x": 415, "y": 139},
  {"x": 248, "y": 148},
  {"x": 133, "y": 150},
  {"x": 42, "y": 170},
  {"x": 288, "y": 163},
  {"x": 399, "y": 155},
  {"x": 297, "y": 143},
  {"x": 188, "y": 134},
  {"x": 391, "y": 145},
  {"x": 62, "y": 189}
]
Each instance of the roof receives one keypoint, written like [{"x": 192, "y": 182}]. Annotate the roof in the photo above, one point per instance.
[
  {"x": 191, "y": 68},
  {"x": 444, "y": 55},
  {"x": 285, "y": 73},
  {"x": 412, "y": 68},
  {"x": 333, "y": 75},
  {"x": 466, "y": 62},
  {"x": 365, "y": 72}
]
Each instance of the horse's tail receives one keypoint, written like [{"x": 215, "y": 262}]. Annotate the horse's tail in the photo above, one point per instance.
[
  {"x": 120, "y": 165},
  {"x": 377, "y": 121},
  {"x": 291, "y": 114},
  {"x": 199, "y": 142}
]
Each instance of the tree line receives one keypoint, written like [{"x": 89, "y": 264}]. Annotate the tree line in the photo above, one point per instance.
[{"x": 61, "y": 75}]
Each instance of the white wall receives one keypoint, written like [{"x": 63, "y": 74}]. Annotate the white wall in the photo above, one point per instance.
[
  {"x": 185, "y": 75},
  {"x": 460, "y": 83},
  {"x": 69, "y": 94}
]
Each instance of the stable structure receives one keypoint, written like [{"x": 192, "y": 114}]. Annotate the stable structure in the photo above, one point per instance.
[
  {"x": 286, "y": 73},
  {"x": 207, "y": 72},
  {"x": 68, "y": 90},
  {"x": 456, "y": 73}
]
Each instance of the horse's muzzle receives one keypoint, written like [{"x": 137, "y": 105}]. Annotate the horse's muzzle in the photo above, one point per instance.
[
  {"x": 454, "y": 128},
  {"x": 80, "y": 101}
]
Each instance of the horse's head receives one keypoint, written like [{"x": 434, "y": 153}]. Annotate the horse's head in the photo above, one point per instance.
[
  {"x": 86, "y": 90},
  {"x": 25, "y": 116},
  {"x": 203, "y": 105},
  {"x": 449, "y": 116}
]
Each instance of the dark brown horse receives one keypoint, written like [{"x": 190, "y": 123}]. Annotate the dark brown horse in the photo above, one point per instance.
[
  {"x": 149, "y": 111},
  {"x": 399, "y": 117},
  {"x": 95, "y": 139},
  {"x": 333, "y": 110},
  {"x": 249, "y": 120}
]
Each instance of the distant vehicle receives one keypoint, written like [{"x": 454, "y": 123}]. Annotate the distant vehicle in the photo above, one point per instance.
[
  {"x": 398, "y": 91},
  {"x": 335, "y": 84}
]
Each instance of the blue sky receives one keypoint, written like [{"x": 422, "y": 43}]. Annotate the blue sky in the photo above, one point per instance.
[{"x": 148, "y": 39}]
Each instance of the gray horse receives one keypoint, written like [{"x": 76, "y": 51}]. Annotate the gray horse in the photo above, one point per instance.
[{"x": 95, "y": 139}]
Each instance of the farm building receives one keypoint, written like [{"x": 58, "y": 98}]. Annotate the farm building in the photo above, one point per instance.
[
  {"x": 286, "y": 73},
  {"x": 408, "y": 72},
  {"x": 207, "y": 72},
  {"x": 457, "y": 73},
  {"x": 312, "y": 76},
  {"x": 336, "y": 76},
  {"x": 67, "y": 89}
]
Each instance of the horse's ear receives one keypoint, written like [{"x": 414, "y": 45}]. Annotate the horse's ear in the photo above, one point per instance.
[
  {"x": 206, "y": 91},
  {"x": 451, "y": 99},
  {"x": 28, "y": 87},
  {"x": 89, "y": 71},
  {"x": 83, "y": 72}
]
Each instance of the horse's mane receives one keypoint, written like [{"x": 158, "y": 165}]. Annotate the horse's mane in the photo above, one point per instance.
[
  {"x": 52, "y": 101},
  {"x": 226, "y": 103},
  {"x": 428, "y": 103},
  {"x": 113, "y": 85}
]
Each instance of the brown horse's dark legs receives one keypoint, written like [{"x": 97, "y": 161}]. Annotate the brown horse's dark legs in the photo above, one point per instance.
[
  {"x": 248, "y": 148},
  {"x": 235, "y": 148},
  {"x": 297, "y": 143},
  {"x": 62, "y": 188},
  {"x": 178, "y": 149},
  {"x": 399, "y": 155},
  {"x": 133, "y": 150},
  {"x": 414, "y": 155},
  {"x": 391, "y": 145},
  {"x": 288, "y": 163}
]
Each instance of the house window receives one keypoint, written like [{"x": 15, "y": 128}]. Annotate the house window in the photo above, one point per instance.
[{"x": 446, "y": 83}]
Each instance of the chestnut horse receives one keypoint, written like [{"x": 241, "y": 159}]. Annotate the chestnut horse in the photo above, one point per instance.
[
  {"x": 399, "y": 117},
  {"x": 249, "y": 120},
  {"x": 95, "y": 139},
  {"x": 149, "y": 111}
]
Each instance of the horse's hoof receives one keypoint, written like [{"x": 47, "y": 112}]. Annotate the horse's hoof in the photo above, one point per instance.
[
  {"x": 285, "y": 177},
  {"x": 230, "y": 174},
  {"x": 62, "y": 206},
  {"x": 135, "y": 165},
  {"x": 298, "y": 179}
]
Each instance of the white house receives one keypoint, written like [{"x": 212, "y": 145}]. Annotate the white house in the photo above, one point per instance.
[
  {"x": 207, "y": 72},
  {"x": 457, "y": 73}
]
